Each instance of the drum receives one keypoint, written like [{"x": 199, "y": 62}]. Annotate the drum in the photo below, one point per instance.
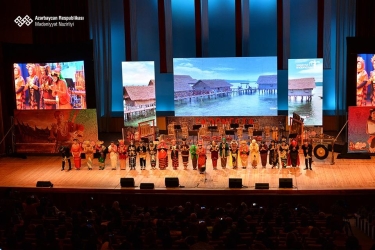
[{"x": 321, "y": 152}]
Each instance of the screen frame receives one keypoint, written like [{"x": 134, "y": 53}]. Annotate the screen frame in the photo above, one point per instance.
[{"x": 47, "y": 53}]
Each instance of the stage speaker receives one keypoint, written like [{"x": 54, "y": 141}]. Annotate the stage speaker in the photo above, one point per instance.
[
  {"x": 44, "y": 184},
  {"x": 285, "y": 182},
  {"x": 146, "y": 186},
  {"x": 235, "y": 182},
  {"x": 127, "y": 182},
  {"x": 171, "y": 182},
  {"x": 262, "y": 186}
]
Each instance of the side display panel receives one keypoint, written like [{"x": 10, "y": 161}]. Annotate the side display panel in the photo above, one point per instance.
[
  {"x": 361, "y": 129},
  {"x": 44, "y": 131}
]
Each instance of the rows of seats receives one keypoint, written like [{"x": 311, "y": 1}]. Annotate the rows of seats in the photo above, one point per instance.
[{"x": 184, "y": 226}]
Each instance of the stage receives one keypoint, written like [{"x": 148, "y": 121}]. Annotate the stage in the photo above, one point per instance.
[
  {"x": 348, "y": 179},
  {"x": 344, "y": 174}
]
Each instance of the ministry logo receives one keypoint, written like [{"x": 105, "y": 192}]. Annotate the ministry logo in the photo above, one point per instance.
[{"x": 26, "y": 20}]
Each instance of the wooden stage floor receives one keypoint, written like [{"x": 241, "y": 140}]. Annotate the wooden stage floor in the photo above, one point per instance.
[{"x": 345, "y": 174}]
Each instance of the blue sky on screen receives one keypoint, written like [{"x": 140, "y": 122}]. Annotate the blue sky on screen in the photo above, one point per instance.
[
  {"x": 228, "y": 68},
  {"x": 137, "y": 73},
  {"x": 301, "y": 68}
]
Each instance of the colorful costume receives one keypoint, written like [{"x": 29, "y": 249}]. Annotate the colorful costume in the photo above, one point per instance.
[
  {"x": 152, "y": 151},
  {"x": 293, "y": 156},
  {"x": 132, "y": 153},
  {"x": 88, "y": 149},
  {"x": 163, "y": 155},
  {"x": 122, "y": 152},
  {"x": 307, "y": 152},
  {"x": 362, "y": 82},
  {"x": 194, "y": 156},
  {"x": 283, "y": 152},
  {"x": 76, "y": 150},
  {"x": 274, "y": 155},
  {"x": 174, "y": 154},
  {"x": 46, "y": 84},
  {"x": 102, "y": 150},
  {"x": 224, "y": 152},
  {"x": 142, "y": 151},
  {"x": 234, "y": 154},
  {"x": 254, "y": 153},
  {"x": 372, "y": 81},
  {"x": 214, "y": 149},
  {"x": 65, "y": 153},
  {"x": 60, "y": 90},
  {"x": 244, "y": 154},
  {"x": 263, "y": 154},
  {"x": 19, "y": 87},
  {"x": 184, "y": 148},
  {"x": 113, "y": 155},
  {"x": 32, "y": 88},
  {"x": 201, "y": 152}
]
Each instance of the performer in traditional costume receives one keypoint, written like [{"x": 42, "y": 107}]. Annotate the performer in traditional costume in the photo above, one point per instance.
[
  {"x": 152, "y": 150},
  {"x": 89, "y": 149},
  {"x": 214, "y": 149},
  {"x": 244, "y": 154},
  {"x": 234, "y": 153},
  {"x": 122, "y": 153},
  {"x": 46, "y": 84},
  {"x": 32, "y": 88},
  {"x": 362, "y": 82},
  {"x": 293, "y": 156},
  {"x": 65, "y": 153},
  {"x": 102, "y": 151},
  {"x": 60, "y": 90},
  {"x": 283, "y": 152},
  {"x": 163, "y": 155},
  {"x": 132, "y": 153},
  {"x": 263, "y": 153},
  {"x": 274, "y": 155},
  {"x": 372, "y": 82},
  {"x": 76, "y": 150},
  {"x": 113, "y": 155},
  {"x": 184, "y": 148},
  {"x": 201, "y": 152},
  {"x": 19, "y": 84},
  {"x": 194, "y": 156},
  {"x": 174, "y": 154},
  {"x": 142, "y": 152},
  {"x": 224, "y": 152},
  {"x": 307, "y": 152},
  {"x": 254, "y": 153}
]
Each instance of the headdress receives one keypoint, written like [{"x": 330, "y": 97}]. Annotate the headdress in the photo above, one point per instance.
[{"x": 55, "y": 72}]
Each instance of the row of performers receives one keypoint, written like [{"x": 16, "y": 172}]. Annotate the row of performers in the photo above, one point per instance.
[{"x": 278, "y": 154}]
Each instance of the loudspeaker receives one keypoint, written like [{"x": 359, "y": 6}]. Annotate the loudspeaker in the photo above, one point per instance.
[
  {"x": 146, "y": 186},
  {"x": 44, "y": 184},
  {"x": 262, "y": 186},
  {"x": 127, "y": 182},
  {"x": 235, "y": 182},
  {"x": 171, "y": 182},
  {"x": 285, "y": 182}
]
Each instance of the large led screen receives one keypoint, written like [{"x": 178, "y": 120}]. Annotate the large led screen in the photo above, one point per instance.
[
  {"x": 58, "y": 85},
  {"x": 138, "y": 81},
  {"x": 232, "y": 86},
  {"x": 365, "y": 94},
  {"x": 305, "y": 90},
  {"x": 361, "y": 129}
]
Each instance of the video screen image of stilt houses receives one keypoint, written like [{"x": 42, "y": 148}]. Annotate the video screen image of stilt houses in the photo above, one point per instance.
[
  {"x": 232, "y": 86},
  {"x": 305, "y": 90},
  {"x": 138, "y": 92}
]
